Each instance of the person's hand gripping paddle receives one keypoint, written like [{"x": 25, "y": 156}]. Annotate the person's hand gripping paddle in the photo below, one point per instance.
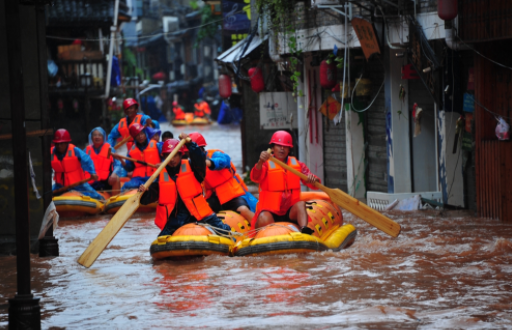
[
  {"x": 351, "y": 204},
  {"x": 121, "y": 217}
]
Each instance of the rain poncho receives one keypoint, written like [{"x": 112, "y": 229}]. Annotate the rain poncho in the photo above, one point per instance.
[
  {"x": 150, "y": 132},
  {"x": 118, "y": 167}
]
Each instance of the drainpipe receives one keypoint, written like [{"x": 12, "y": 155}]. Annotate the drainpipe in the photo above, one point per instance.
[
  {"x": 452, "y": 43},
  {"x": 113, "y": 30},
  {"x": 272, "y": 47}
]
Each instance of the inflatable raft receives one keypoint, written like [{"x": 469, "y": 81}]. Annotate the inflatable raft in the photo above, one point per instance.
[
  {"x": 325, "y": 219},
  {"x": 194, "y": 240},
  {"x": 200, "y": 121},
  {"x": 114, "y": 203},
  {"x": 74, "y": 204},
  {"x": 179, "y": 122}
]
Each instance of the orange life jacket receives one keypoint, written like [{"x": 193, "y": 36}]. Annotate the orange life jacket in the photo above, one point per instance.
[
  {"x": 224, "y": 184},
  {"x": 102, "y": 163},
  {"x": 149, "y": 155},
  {"x": 188, "y": 188},
  {"x": 276, "y": 182},
  {"x": 179, "y": 114},
  {"x": 201, "y": 109},
  {"x": 124, "y": 129},
  {"x": 68, "y": 170}
]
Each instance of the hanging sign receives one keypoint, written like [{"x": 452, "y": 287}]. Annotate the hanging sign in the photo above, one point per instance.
[
  {"x": 366, "y": 35},
  {"x": 277, "y": 110},
  {"x": 468, "y": 103}
]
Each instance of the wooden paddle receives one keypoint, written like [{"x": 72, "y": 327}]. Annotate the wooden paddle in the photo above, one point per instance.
[
  {"x": 351, "y": 204},
  {"x": 66, "y": 188},
  {"x": 121, "y": 217},
  {"x": 135, "y": 160}
]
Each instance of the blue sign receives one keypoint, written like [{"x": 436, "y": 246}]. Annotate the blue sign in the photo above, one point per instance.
[{"x": 469, "y": 103}]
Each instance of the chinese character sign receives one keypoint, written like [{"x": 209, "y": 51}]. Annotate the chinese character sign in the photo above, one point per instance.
[
  {"x": 366, "y": 35},
  {"x": 237, "y": 21},
  {"x": 278, "y": 110}
]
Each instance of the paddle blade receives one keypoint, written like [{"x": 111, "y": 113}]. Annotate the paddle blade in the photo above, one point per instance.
[
  {"x": 110, "y": 231},
  {"x": 364, "y": 212}
]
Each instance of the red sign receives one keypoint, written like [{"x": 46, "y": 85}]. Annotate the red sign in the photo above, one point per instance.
[
  {"x": 408, "y": 72},
  {"x": 366, "y": 35}
]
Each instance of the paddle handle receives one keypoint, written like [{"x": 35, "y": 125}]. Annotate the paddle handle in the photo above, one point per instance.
[
  {"x": 57, "y": 191},
  {"x": 137, "y": 161},
  {"x": 294, "y": 171},
  {"x": 122, "y": 142}
]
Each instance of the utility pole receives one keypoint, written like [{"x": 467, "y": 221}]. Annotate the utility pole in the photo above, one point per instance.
[{"x": 24, "y": 310}]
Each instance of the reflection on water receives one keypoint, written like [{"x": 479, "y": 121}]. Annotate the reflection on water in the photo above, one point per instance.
[{"x": 443, "y": 272}]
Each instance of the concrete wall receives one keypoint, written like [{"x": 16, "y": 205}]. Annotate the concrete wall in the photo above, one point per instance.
[{"x": 33, "y": 115}]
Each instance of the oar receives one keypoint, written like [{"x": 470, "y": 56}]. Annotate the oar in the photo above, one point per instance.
[
  {"x": 135, "y": 161},
  {"x": 352, "y": 205},
  {"x": 121, "y": 217},
  {"x": 66, "y": 188}
]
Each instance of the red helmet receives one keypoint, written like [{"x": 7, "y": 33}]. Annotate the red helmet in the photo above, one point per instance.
[
  {"x": 282, "y": 138},
  {"x": 174, "y": 103},
  {"x": 169, "y": 146},
  {"x": 198, "y": 139},
  {"x": 61, "y": 135},
  {"x": 135, "y": 129},
  {"x": 129, "y": 102}
]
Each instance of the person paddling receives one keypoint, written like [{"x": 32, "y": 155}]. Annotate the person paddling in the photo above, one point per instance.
[
  {"x": 179, "y": 192},
  {"x": 279, "y": 199},
  {"x": 201, "y": 109},
  {"x": 109, "y": 169},
  {"x": 70, "y": 164},
  {"x": 122, "y": 129},
  {"x": 146, "y": 152},
  {"x": 223, "y": 190}
]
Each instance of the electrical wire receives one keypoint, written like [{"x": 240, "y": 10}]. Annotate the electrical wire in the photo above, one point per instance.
[
  {"x": 482, "y": 55},
  {"x": 144, "y": 36}
]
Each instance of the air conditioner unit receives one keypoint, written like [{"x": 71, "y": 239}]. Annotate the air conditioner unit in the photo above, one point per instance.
[{"x": 170, "y": 23}]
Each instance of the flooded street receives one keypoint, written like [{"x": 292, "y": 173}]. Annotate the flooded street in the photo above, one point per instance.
[{"x": 445, "y": 271}]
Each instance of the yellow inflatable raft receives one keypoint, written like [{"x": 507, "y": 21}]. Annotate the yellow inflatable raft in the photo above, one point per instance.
[
  {"x": 326, "y": 220},
  {"x": 114, "y": 203},
  {"x": 194, "y": 240},
  {"x": 179, "y": 122},
  {"x": 74, "y": 204},
  {"x": 200, "y": 121}
]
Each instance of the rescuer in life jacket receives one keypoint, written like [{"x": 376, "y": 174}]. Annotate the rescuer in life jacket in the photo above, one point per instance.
[
  {"x": 122, "y": 129},
  {"x": 144, "y": 150},
  {"x": 201, "y": 108},
  {"x": 179, "y": 192},
  {"x": 153, "y": 133},
  {"x": 108, "y": 169},
  {"x": 279, "y": 199},
  {"x": 224, "y": 189},
  {"x": 179, "y": 114},
  {"x": 69, "y": 164}
]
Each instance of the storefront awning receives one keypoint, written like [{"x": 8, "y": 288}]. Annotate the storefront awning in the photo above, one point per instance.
[{"x": 238, "y": 51}]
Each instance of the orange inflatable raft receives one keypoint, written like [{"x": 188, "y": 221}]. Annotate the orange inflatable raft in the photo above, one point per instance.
[
  {"x": 326, "y": 220},
  {"x": 114, "y": 203}
]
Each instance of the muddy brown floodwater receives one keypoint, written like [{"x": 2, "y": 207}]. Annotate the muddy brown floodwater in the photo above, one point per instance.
[{"x": 445, "y": 271}]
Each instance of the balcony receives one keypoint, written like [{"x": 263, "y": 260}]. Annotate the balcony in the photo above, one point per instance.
[{"x": 79, "y": 77}]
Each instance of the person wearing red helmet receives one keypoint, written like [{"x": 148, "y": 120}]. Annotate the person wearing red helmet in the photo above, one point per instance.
[
  {"x": 279, "y": 199},
  {"x": 144, "y": 150},
  {"x": 70, "y": 164},
  {"x": 179, "y": 192},
  {"x": 224, "y": 189},
  {"x": 179, "y": 114},
  {"x": 122, "y": 129}
]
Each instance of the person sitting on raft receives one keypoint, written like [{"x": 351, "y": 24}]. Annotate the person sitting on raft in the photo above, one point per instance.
[
  {"x": 70, "y": 164},
  {"x": 108, "y": 169},
  {"x": 223, "y": 190},
  {"x": 153, "y": 133},
  {"x": 122, "y": 129},
  {"x": 201, "y": 109},
  {"x": 179, "y": 114},
  {"x": 279, "y": 199},
  {"x": 146, "y": 152},
  {"x": 179, "y": 192}
]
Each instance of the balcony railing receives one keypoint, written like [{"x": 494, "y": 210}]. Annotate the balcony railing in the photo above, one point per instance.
[{"x": 76, "y": 75}]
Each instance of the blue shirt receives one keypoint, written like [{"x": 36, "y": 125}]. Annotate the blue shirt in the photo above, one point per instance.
[
  {"x": 114, "y": 133},
  {"x": 85, "y": 161}
]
